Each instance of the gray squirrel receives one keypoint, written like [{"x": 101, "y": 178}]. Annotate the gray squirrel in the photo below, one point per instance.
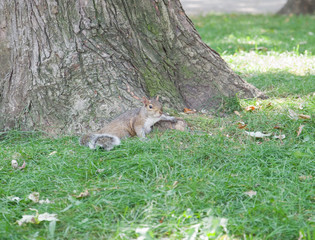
[{"x": 135, "y": 122}]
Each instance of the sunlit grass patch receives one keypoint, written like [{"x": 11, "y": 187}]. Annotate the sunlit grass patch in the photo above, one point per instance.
[{"x": 277, "y": 74}]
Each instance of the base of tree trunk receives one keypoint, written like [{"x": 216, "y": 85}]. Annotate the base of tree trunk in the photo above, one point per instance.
[
  {"x": 298, "y": 7},
  {"x": 70, "y": 66}
]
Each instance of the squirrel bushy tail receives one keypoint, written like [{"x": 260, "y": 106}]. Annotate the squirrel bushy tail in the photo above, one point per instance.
[{"x": 105, "y": 141}]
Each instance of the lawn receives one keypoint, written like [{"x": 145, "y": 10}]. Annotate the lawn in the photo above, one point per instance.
[{"x": 214, "y": 181}]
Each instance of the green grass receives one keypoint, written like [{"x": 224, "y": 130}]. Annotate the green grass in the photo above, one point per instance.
[
  {"x": 181, "y": 184},
  {"x": 230, "y": 34},
  {"x": 275, "y": 53}
]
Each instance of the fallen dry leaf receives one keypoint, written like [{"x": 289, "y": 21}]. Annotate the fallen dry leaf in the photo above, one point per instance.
[
  {"x": 250, "y": 108},
  {"x": 241, "y": 125},
  {"x": 251, "y": 193},
  {"x": 302, "y": 116},
  {"x": 45, "y": 201},
  {"x": 37, "y": 218},
  {"x": 237, "y": 113},
  {"x": 189, "y": 111},
  {"x": 14, "y": 164},
  {"x": 14, "y": 199},
  {"x": 27, "y": 219},
  {"x": 83, "y": 194},
  {"x": 48, "y": 217},
  {"x": 175, "y": 183},
  {"x": 34, "y": 196},
  {"x": 23, "y": 165},
  {"x": 299, "y": 131},
  {"x": 52, "y": 153},
  {"x": 162, "y": 219},
  {"x": 279, "y": 136},
  {"x": 258, "y": 134}
]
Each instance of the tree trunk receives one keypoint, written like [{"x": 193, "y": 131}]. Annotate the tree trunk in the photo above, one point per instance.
[
  {"x": 298, "y": 7},
  {"x": 69, "y": 65}
]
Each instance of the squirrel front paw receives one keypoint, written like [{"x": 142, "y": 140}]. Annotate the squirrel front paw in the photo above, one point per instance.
[{"x": 168, "y": 118}]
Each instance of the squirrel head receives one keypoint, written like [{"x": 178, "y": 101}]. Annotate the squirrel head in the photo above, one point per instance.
[{"x": 153, "y": 106}]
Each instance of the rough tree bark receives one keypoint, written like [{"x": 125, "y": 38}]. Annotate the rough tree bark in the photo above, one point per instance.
[
  {"x": 66, "y": 66},
  {"x": 298, "y": 7}
]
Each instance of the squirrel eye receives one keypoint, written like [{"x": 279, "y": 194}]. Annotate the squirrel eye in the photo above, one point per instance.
[{"x": 150, "y": 106}]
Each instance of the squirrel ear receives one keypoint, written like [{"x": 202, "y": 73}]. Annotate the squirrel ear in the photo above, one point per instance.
[
  {"x": 145, "y": 100},
  {"x": 157, "y": 98}
]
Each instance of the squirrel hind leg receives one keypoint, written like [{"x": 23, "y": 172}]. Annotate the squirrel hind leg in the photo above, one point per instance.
[{"x": 107, "y": 142}]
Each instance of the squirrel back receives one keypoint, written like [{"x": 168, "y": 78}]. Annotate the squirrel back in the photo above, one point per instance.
[{"x": 135, "y": 122}]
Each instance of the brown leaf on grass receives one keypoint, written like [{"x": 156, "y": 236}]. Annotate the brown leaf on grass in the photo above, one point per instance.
[
  {"x": 23, "y": 165},
  {"x": 189, "y": 111},
  {"x": 83, "y": 194},
  {"x": 277, "y": 127},
  {"x": 299, "y": 131},
  {"x": 302, "y": 116},
  {"x": 237, "y": 113},
  {"x": 251, "y": 193},
  {"x": 162, "y": 219},
  {"x": 269, "y": 104},
  {"x": 241, "y": 125},
  {"x": 250, "y": 108}
]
